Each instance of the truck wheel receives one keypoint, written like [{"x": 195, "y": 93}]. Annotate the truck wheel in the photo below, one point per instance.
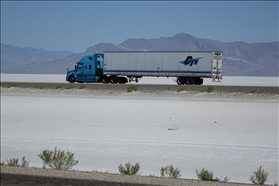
[
  {"x": 180, "y": 81},
  {"x": 105, "y": 79},
  {"x": 113, "y": 79},
  {"x": 71, "y": 79}
]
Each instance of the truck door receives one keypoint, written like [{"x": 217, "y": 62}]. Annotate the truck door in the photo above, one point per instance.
[
  {"x": 88, "y": 72},
  {"x": 79, "y": 72}
]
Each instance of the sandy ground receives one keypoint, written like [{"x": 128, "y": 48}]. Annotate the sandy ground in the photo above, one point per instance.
[
  {"x": 11, "y": 176},
  {"x": 14, "y": 176},
  {"x": 145, "y": 92}
]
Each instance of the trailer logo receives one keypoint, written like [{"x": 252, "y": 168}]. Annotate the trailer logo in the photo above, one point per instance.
[{"x": 190, "y": 61}]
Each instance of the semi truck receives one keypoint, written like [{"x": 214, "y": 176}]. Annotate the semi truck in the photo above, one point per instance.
[{"x": 120, "y": 67}]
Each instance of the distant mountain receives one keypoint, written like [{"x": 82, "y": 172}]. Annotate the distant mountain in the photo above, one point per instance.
[
  {"x": 12, "y": 56},
  {"x": 239, "y": 58}
]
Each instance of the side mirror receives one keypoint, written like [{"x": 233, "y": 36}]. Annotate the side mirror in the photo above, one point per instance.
[{"x": 75, "y": 67}]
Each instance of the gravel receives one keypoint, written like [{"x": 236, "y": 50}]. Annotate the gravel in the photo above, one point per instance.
[{"x": 21, "y": 176}]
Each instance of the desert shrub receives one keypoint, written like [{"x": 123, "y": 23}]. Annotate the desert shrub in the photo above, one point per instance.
[
  {"x": 58, "y": 86},
  {"x": 259, "y": 177},
  {"x": 13, "y": 162},
  {"x": 82, "y": 87},
  {"x": 209, "y": 89},
  {"x": 239, "y": 90},
  {"x": 253, "y": 91},
  {"x": 204, "y": 174},
  {"x": 170, "y": 172},
  {"x": 226, "y": 179},
  {"x": 58, "y": 159},
  {"x": 181, "y": 89},
  {"x": 12, "y": 85},
  {"x": 129, "y": 169},
  {"x": 70, "y": 87},
  {"x": 42, "y": 87},
  {"x": 132, "y": 88}
]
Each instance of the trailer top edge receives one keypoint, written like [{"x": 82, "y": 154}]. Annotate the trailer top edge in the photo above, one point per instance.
[{"x": 157, "y": 51}]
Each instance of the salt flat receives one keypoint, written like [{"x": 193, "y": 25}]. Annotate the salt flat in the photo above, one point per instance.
[{"x": 231, "y": 136}]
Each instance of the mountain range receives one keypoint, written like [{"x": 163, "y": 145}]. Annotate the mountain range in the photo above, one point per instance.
[{"x": 239, "y": 58}]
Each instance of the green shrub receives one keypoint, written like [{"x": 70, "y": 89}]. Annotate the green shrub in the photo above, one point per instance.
[
  {"x": 226, "y": 179},
  {"x": 12, "y": 85},
  {"x": 70, "y": 87},
  {"x": 259, "y": 177},
  {"x": 132, "y": 88},
  {"x": 204, "y": 174},
  {"x": 14, "y": 162},
  {"x": 209, "y": 89},
  {"x": 239, "y": 90},
  {"x": 129, "y": 169},
  {"x": 42, "y": 87},
  {"x": 170, "y": 172},
  {"x": 58, "y": 159},
  {"x": 82, "y": 87},
  {"x": 58, "y": 86},
  {"x": 253, "y": 91},
  {"x": 181, "y": 89}
]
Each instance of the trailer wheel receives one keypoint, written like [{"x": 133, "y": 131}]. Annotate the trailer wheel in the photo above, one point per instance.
[
  {"x": 113, "y": 79},
  {"x": 71, "y": 79},
  {"x": 122, "y": 80},
  {"x": 198, "y": 81},
  {"x": 180, "y": 81},
  {"x": 189, "y": 81}
]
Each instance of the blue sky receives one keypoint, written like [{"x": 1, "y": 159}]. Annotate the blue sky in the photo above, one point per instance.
[{"x": 74, "y": 26}]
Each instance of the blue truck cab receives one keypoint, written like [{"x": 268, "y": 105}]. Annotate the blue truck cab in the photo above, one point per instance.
[{"x": 88, "y": 69}]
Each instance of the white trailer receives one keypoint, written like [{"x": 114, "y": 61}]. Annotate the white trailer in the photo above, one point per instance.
[{"x": 186, "y": 67}]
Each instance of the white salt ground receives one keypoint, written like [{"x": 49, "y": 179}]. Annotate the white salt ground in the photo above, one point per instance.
[{"x": 231, "y": 135}]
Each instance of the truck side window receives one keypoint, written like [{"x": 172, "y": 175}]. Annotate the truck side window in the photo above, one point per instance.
[
  {"x": 90, "y": 58},
  {"x": 79, "y": 65},
  {"x": 89, "y": 67}
]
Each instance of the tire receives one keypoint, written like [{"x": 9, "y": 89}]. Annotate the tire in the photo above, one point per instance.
[
  {"x": 105, "y": 79},
  {"x": 198, "y": 81},
  {"x": 71, "y": 79},
  {"x": 180, "y": 81},
  {"x": 122, "y": 80},
  {"x": 113, "y": 79},
  {"x": 189, "y": 81}
]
